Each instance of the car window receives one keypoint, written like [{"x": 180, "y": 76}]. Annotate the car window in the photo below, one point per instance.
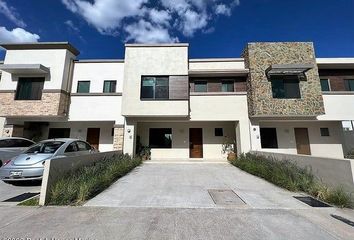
[
  {"x": 7, "y": 143},
  {"x": 45, "y": 147},
  {"x": 83, "y": 146},
  {"x": 23, "y": 143},
  {"x": 71, "y": 148}
]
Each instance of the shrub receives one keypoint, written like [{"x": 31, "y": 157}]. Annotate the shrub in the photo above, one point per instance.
[
  {"x": 288, "y": 175},
  {"x": 30, "y": 202},
  {"x": 77, "y": 187}
]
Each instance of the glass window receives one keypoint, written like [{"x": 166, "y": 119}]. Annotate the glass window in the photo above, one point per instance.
[
  {"x": 269, "y": 138},
  {"x": 72, "y": 147},
  {"x": 285, "y": 88},
  {"x": 109, "y": 86},
  {"x": 349, "y": 84},
  {"x": 324, "y": 132},
  {"x": 160, "y": 137},
  {"x": 10, "y": 143},
  {"x": 200, "y": 86},
  {"x": 82, "y": 146},
  {"x": 155, "y": 88},
  {"x": 325, "y": 85},
  {"x": 29, "y": 88},
  {"x": 45, "y": 147},
  {"x": 227, "y": 86},
  {"x": 23, "y": 143},
  {"x": 83, "y": 86},
  {"x": 219, "y": 132}
]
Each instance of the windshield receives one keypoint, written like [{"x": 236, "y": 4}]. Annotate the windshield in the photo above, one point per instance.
[{"x": 45, "y": 147}]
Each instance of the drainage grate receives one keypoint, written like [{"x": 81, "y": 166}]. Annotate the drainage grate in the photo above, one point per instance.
[
  {"x": 225, "y": 197},
  {"x": 21, "y": 197},
  {"x": 312, "y": 201},
  {"x": 347, "y": 221}
]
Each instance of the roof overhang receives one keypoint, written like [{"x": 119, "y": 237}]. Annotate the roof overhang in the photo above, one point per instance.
[
  {"x": 218, "y": 73},
  {"x": 335, "y": 63},
  {"x": 288, "y": 70},
  {"x": 24, "y": 68},
  {"x": 41, "y": 45}
]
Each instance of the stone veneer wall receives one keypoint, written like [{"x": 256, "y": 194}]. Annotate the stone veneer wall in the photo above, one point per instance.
[
  {"x": 51, "y": 104},
  {"x": 118, "y": 138},
  {"x": 258, "y": 57}
]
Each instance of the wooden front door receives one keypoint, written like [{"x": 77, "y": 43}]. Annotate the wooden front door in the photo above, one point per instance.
[
  {"x": 302, "y": 141},
  {"x": 195, "y": 142},
  {"x": 93, "y": 137}
]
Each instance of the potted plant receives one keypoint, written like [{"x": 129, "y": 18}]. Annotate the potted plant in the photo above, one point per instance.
[
  {"x": 145, "y": 153},
  {"x": 229, "y": 148}
]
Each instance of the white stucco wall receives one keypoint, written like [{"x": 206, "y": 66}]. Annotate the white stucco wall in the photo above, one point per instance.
[
  {"x": 338, "y": 107},
  {"x": 212, "y": 145},
  {"x": 79, "y": 130},
  {"x": 159, "y": 60},
  {"x": 57, "y": 60},
  {"x": 97, "y": 73},
  {"x": 320, "y": 146},
  {"x": 216, "y": 64}
]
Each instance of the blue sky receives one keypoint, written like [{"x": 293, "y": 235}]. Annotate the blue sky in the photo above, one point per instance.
[{"x": 214, "y": 28}]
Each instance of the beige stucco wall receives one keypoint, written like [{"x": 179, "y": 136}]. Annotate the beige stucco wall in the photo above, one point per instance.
[
  {"x": 338, "y": 107},
  {"x": 212, "y": 145},
  {"x": 320, "y": 146},
  {"x": 216, "y": 64},
  {"x": 159, "y": 60}
]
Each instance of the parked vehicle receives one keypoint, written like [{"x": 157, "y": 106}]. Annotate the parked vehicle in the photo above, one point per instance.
[
  {"x": 12, "y": 146},
  {"x": 29, "y": 165}
]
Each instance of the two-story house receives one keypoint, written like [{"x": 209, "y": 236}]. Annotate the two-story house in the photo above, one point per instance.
[{"x": 277, "y": 97}]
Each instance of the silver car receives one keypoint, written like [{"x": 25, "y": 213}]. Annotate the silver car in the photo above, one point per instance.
[
  {"x": 29, "y": 165},
  {"x": 12, "y": 146}
]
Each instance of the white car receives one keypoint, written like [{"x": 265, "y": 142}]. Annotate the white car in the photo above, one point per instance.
[{"x": 12, "y": 146}]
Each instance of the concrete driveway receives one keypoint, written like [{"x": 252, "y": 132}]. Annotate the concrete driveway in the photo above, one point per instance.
[
  {"x": 8, "y": 191},
  {"x": 188, "y": 185}
]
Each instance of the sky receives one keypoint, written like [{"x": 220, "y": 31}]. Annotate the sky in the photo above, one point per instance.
[{"x": 213, "y": 28}]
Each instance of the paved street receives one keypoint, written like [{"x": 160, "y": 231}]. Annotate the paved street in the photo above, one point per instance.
[
  {"x": 173, "y": 201},
  {"x": 8, "y": 191}
]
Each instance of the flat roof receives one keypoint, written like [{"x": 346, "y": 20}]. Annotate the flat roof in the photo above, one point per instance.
[
  {"x": 99, "y": 61},
  {"x": 156, "y": 45},
  {"x": 335, "y": 63},
  {"x": 41, "y": 45}
]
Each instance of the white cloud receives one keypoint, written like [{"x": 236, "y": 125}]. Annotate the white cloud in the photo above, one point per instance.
[
  {"x": 11, "y": 14},
  {"x": 72, "y": 26},
  {"x": 17, "y": 35},
  {"x": 158, "y": 20},
  {"x": 145, "y": 32}
]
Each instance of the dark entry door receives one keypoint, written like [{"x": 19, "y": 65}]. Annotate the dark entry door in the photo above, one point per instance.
[
  {"x": 93, "y": 137},
  {"x": 195, "y": 142},
  {"x": 302, "y": 141}
]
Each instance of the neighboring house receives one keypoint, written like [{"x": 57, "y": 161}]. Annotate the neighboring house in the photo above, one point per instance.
[
  {"x": 2, "y": 120},
  {"x": 278, "y": 97}
]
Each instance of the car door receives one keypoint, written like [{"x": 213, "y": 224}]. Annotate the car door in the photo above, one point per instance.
[
  {"x": 10, "y": 148},
  {"x": 71, "y": 150}
]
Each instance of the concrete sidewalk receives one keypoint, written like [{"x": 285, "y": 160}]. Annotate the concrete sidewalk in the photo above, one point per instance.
[
  {"x": 171, "y": 223},
  {"x": 186, "y": 185}
]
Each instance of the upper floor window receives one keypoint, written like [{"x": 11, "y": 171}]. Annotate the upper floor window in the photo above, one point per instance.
[
  {"x": 325, "y": 85},
  {"x": 200, "y": 86},
  {"x": 83, "y": 86},
  {"x": 155, "y": 87},
  {"x": 286, "y": 87},
  {"x": 29, "y": 88},
  {"x": 109, "y": 86},
  {"x": 227, "y": 86},
  {"x": 349, "y": 84}
]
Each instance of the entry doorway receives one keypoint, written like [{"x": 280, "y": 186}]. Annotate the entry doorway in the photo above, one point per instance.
[
  {"x": 59, "y": 133},
  {"x": 93, "y": 137},
  {"x": 196, "y": 143},
  {"x": 302, "y": 141}
]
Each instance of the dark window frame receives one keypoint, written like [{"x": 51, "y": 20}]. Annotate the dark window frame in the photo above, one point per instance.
[
  {"x": 20, "y": 86},
  {"x": 201, "y": 82},
  {"x": 348, "y": 86},
  {"x": 219, "y": 132},
  {"x": 160, "y": 143},
  {"x": 114, "y": 88},
  {"x": 271, "y": 145},
  {"x": 156, "y": 78},
  {"x": 325, "y": 132},
  {"x": 328, "y": 84},
  {"x": 281, "y": 86},
  {"x": 228, "y": 81},
  {"x": 83, "y": 81}
]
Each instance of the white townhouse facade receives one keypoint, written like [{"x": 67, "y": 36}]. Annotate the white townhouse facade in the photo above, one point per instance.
[{"x": 277, "y": 97}]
